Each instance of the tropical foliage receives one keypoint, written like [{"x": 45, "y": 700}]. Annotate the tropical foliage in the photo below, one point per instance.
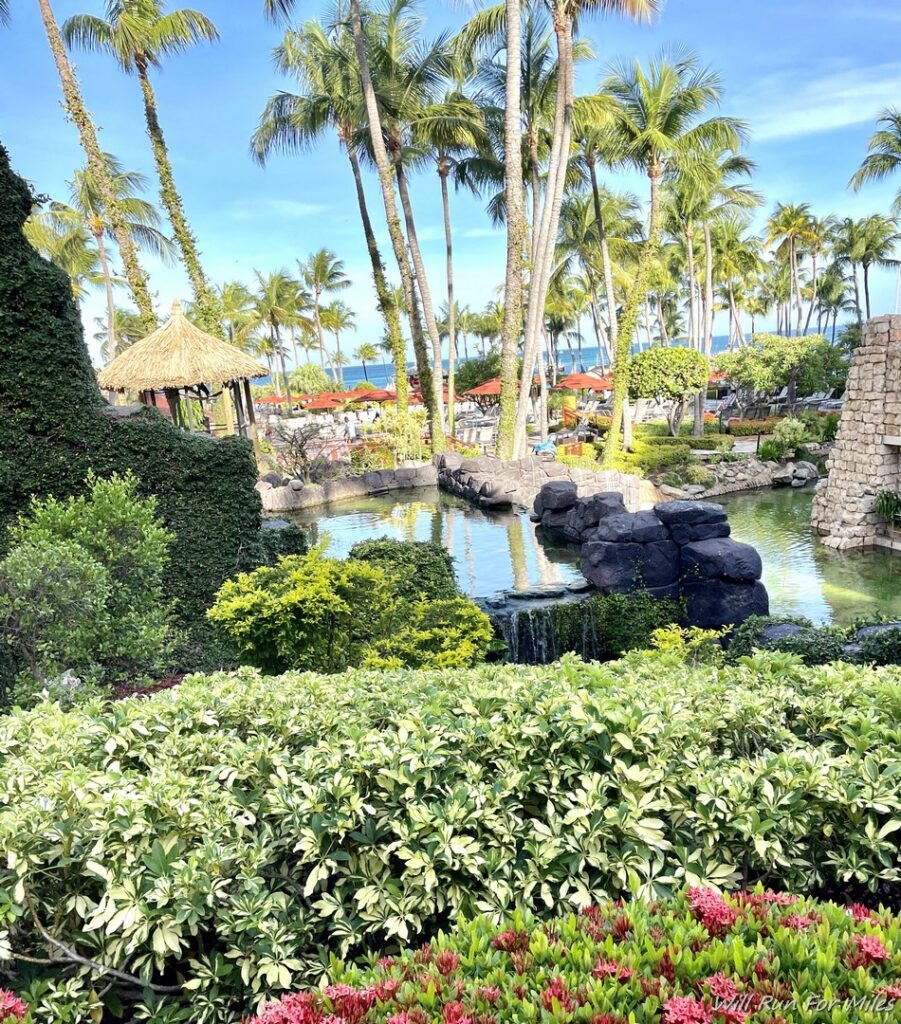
[
  {"x": 700, "y": 958},
  {"x": 258, "y": 821}
]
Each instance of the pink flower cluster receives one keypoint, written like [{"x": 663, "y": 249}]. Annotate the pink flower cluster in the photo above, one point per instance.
[
  {"x": 12, "y": 1008},
  {"x": 711, "y": 910}
]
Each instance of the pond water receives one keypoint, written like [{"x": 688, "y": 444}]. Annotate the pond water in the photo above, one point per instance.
[{"x": 497, "y": 551}]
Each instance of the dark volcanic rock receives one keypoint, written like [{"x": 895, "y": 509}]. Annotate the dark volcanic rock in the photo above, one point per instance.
[
  {"x": 556, "y": 496},
  {"x": 585, "y": 515},
  {"x": 614, "y": 566},
  {"x": 639, "y": 527},
  {"x": 721, "y": 558},
  {"x": 777, "y": 631},
  {"x": 690, "y": 513},
  {"x": 554, "y": 521},
  {"x": 683, "y": 534},
  {"x": 712, "y": 604}
]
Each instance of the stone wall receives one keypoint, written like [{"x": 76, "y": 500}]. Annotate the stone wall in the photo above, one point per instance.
[
  {"x": 491, "y": 483},
  {"x": 862, "y": 464},
  {"x": 279, "y": 495}
]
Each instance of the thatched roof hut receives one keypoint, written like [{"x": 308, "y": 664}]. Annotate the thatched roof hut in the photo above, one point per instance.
[
  {"x": 178, "y": 355},
  {"x": 180, "y": 358}
]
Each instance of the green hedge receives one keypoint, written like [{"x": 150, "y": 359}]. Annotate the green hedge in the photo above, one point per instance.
[
  {"x": 646, "y": 455},
  {"x": 710, "y": 442},
  {"x": 750, "y": 428},
  {"x": 702, "y": 958},
  {"x": 55, "y": 427},
  {"x": 221, "y": 837}
]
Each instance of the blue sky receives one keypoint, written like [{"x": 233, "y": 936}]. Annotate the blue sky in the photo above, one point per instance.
[{"x": 808, "y": 75}]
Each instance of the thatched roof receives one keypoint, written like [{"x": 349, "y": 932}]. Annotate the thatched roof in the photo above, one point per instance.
[{"x": 177, "y": 355}]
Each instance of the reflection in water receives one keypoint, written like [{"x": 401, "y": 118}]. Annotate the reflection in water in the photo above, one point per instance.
[
  {"x": 802, "y": 576},
  {"x": 496, "y": 551},
  {"x": 492, "y": 551}
]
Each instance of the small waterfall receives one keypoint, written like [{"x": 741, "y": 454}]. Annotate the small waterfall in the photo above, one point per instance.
[{"x": 541, "y": 633}]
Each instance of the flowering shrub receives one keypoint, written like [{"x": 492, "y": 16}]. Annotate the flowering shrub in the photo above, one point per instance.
[
  {"x": 750, "y": 428},
  {"x": 701, "y": 958},
  {"x": 12, "y": 1009},
  {"x": 223, "y": 837}
]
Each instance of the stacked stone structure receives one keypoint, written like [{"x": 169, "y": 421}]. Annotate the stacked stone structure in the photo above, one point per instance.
[{"x": 867, "y": 455}]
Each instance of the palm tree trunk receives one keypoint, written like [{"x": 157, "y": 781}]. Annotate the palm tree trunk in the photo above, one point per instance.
[
  {"x": 661, "y": 320},
  {"x": 866, "y": 287},
  {"x": 436, "y": 426},
  {"x": 184, "y": 237},
  {"x": 338, "y": 363},
  {"x": 857, "y": 296},
  {"x": 515, "y": 231},
  {"x": 620, "y": 420},
  {"x": 550, "y": 217},
  {"x": 111, "y": 339},
  {"x": 365, "y": 371},
  {"x": 451, "y": 308},
  {"x": 425, "y": 293},
  {"x": 813, "y": 297},
  {"x": 693, "y": 332},
  {"x": 613, "y": 327},
  {"x": 134, "y": 273},
  {"x": 384, "y": 295}
]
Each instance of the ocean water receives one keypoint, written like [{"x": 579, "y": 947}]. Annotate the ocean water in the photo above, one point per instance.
[{"x": 381, "y": 374}]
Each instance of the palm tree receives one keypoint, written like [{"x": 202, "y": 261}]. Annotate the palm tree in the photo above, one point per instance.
[
  {"x": 236, "y": 306},
  {"x": 449, "y": 128},
  {"x": 431, "y": 388},
  {"x": 879, "y": 239},
  {"x": 126, "y": 330},
  {"x": 337, "y": 318},
  {"x": 87, "y": 133},
  {"x": 325, "y": 65},
  {"x": 791, "y": 228},
  {"x": 657, "y": 118},
  {"x": 141, "y": 220},
  {"x": 323, "y": 273},
  {"x": 69, "y": 247},
  {"x": 366, "y": 353},
  {"x": 138, "y": 35},
  {"x": 274, "y": 310},
  {"x": 884, "y": 157}
]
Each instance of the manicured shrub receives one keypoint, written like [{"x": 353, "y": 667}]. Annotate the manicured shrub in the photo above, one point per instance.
[
  {"x": 304, "y": 612},
  {"x": 433, "y": 633},
  {"x": 81, "y": 589},
  {"x": 709, "y": 442},
  {"x": 646, "y": 457},
  {"x": 701, "y": 958},
  {"x": 814, "y": 645},
  {"x": 218, "y": 838},
  {"x": 748, "y": 428},
  {"x": 790, "y": 434},
  {"x": 588, "y": 460},
  {"x": 417, "y": 569},
  {"x": 626, "y": 622},
  {"x": 769, "y": 451}
]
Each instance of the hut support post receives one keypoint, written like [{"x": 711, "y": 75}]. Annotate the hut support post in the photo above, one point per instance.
[
  {"x": 252, "y": 421},
  {"x": 173, "y": 403},
  {"x": 227, "y": 408}
]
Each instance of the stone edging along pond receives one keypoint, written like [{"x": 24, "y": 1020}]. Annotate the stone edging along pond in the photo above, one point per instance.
[{"x": 484, "y": 480}]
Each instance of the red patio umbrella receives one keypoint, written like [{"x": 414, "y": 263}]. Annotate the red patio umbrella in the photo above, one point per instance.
[
  {"x": 585, "y": 382},
  {"x": 323, "y": 403}
]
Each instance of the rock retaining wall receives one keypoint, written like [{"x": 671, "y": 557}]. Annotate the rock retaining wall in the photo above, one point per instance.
[
  {"x": 491, "y": 483},
  {"x": 279, "y": 496},
  {"x": 862, "y": 463},
  {"x": 676, "y": 549}
]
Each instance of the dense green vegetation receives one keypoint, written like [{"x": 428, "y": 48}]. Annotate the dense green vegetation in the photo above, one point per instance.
[
  {"x": 55, "y": 429},
  {"x": 256, "y": 821},
  {"x": 700, "y": 958}
]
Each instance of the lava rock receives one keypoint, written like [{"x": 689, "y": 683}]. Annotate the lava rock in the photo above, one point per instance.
[
  {"x": 682, "y": 534},
  {"x": 450, "y": 461},
  {"x": 721, "y": 558},
  {"x": 806, "y": 471},
  {"x": 877, "y": 630},
  {"x": 556, "y": 496},
  {"x": 554, "y": 521},
  {"x": 771, "y": 634},
  {"x": 640, "y": 527},
  {"x": 712, "y": 604},
  {"x": 585, "y": 515},
  {"x": 690, "y": 513},
  {"x": 620, "y": 568},
  {"x": 480, "y": 464},
  {"x": 273, "y": 479},
  {"x": 537, "y": 593}
]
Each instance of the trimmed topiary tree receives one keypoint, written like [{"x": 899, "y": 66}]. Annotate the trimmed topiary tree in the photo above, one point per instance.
[
  {"x": 55, "y": 427},
  {"x": 671, "y": 373}
]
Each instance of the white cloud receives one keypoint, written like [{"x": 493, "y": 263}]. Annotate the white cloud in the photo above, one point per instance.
[
  {"x": 288, "y": 209},
  {"x": 787, "y": 105}
]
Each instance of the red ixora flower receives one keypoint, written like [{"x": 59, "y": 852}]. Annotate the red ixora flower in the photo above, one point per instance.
[
  {"x": 869, "y": 951},
  {"x": 12, "y": 1008},
  {"x": 298, "y": 1008},
  {"x": 721, "y": 987},
  {"x": 711, "y": 910},
  {"x": 890, "y": 992},
  {"x": 558, "y": 991},
  {"x": 447, "y": 962},
  {"x": 800, "y": 922},
  {"x": 686, "y": 1010},
  {"x": 511, "y": 941},
  {"x": 350, "y": 1003},
  {"x": 860, "y": 913},
  {"x": 490, "y": 993},
  {"x": 611, "y": 969},
  {"x": 455, "y": 1013}
]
